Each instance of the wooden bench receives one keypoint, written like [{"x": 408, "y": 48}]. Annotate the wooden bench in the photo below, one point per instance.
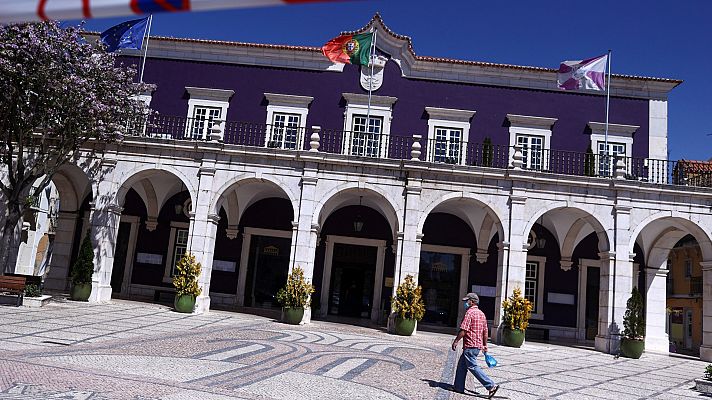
[{"x": 13, "y": 285}]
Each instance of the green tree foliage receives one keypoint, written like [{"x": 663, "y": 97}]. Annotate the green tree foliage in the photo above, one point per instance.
[
  {"x": 487, "y": 152},
  {"x": 634, "y": 318},
  {"x": 517, "y": 311},
  {"x": 56, "y": 93},
  {"x": 589, "y": 162},
  {"x": 296, "y": 293},
  {"x": 186, "y": 278},
  {"x": 83, "y": 268},
  {"x": 408, "y": 302}
]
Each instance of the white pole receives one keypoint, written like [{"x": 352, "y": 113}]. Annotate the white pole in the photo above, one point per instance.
[
  {"x": 370, "y": 81},
  {"x": 147, "y": 35},
  {"x": 608, "y": 103}
]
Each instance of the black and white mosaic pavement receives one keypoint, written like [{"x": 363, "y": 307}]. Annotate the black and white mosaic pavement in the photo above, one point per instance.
[{"x": 130, "y": 350}]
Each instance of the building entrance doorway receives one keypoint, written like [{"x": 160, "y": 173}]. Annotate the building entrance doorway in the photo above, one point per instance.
[
  {"x": 443, "y": 275},
  {"x": 352, "y": 280},
  {"x": 589, "y": 295},
  {"x": 267, "y": 270}
]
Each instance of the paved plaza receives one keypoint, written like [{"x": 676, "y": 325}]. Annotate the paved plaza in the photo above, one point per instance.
[{"x": 131, "y": 350}]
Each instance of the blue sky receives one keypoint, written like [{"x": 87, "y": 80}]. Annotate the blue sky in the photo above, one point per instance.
[{"x": 661, "y": 38}]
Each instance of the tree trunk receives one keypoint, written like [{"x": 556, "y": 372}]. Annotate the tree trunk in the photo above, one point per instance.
[{"x": 9, "y": 242}]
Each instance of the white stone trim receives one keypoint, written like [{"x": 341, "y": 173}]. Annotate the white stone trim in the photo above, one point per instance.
[
  {"x": 541, "y": 269},
  {"x": 248, "y": 232},
  {"x": 206, "y": 97},
  {"x": 130, "y": 250},
  {"x": 531, "y": 126},
  {"x": 464, "y": 252},
  {"x": 357, "y": 104},
  {"x": 167, "y": 278},
  {"x": 449, "y": 118},
  {"x": 658, "y": 129},
  {"x": 378, "y": 278},
  {"x": 288, "y": 104}
]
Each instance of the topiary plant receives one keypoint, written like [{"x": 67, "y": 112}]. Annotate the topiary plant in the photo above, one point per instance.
[
  {"x": 634, "y": 318},
  {"x": 408, "y": 302},
  {"x": 517, "y": 311},
  {"x": 83, "y": 268},
  {"x": 589, "y": 162},
  {"x": 487, "y": 152},
  {"x": 296, "y": 293},
  {"x": 186, "y": 278}
]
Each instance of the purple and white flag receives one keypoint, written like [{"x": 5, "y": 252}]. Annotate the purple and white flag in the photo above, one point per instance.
[{"x": 583, "y": 74}]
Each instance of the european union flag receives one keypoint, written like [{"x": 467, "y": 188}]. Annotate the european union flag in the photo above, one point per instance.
[{"x": 126, "y": 35}]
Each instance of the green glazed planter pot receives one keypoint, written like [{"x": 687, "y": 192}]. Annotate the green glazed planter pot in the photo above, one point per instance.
[
  {"x": 632, "y": 348},
  {"x": 293, "y": 315},
  {"x": 404, "y": 326},
  {"x": 184, "y": 303},
  {"x": 512, "y": 337},
  {"x": 80, "y": 291}
]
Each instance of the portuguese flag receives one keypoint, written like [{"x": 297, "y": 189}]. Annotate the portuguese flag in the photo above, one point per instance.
[{"x": 349, "y": 49}]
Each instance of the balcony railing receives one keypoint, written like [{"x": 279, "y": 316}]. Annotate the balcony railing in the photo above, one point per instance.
[{"x": 373, "y": 145}]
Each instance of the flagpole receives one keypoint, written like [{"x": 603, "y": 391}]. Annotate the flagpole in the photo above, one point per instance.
[
  {"x": 370, "y": 81},
  {"x": 147, "y": 35},
  {"x": 608, "y": 103}
]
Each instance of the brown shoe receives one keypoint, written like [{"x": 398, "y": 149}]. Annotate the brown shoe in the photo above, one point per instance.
[{"x": 493, "y": 391}]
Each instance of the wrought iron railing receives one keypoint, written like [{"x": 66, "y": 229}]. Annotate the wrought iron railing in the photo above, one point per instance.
[{"x": 384, "y": 146}]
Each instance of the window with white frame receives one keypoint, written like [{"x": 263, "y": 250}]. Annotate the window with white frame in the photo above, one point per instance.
[
  {"x": 203, "y": 119},
  {"x": 533, "y": 135},
  {"x": 177, "y": 247},
  {"x": 285, "y": 131},
  {"x": 620, "y": 144},
  {"x": 367, "y": 136},
  {"x": 448, "y": 134},
  {"x": 180, "y": 247},
  {"x": 207, "y": 108},
  {"x": 286, "y": 120},
  {"x": 534, "y": 284},
  {"x": 532, "y": 151}
]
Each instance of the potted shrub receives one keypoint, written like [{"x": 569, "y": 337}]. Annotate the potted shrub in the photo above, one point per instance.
[
  {"x": 408, "y": 305},
  {"x": 517, "y": 310},
  {"x": 186, "y": 283},
  {"x": 705, "y": 385},
  {"x": 294, "y": 296},
  {"x": 82, "y": 271},
  {"x": 633, "y": 341}
]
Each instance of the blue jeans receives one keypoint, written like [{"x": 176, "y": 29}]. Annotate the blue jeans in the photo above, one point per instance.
[{"x": 468, "y": 361}]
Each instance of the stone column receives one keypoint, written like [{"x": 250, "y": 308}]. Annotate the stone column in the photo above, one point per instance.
[
  {"x": 502, "y": 257},
  {"x": 105, "y": 221},
  {"x": 304, "y": 233},
  {"x": 656, "y": 339},
  {"x": 706, "y": 347},
  {"x": 58, "y": 274},
  {"x": 616, "y": 284},
  {"x": 202, "y": 233}
]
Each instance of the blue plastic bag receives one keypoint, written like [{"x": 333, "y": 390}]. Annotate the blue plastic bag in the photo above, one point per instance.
[{"x": 491, "y": 361}]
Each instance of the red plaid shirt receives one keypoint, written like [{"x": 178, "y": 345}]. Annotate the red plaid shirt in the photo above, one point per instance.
[{"x": 475, "y": 326}]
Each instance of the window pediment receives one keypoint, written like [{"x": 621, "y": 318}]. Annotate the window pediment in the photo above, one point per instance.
[
  {"x": 613, "y": 129},
  {"x": 450, "y": 114},
  {"x": 362, "y": 99},
  {"x": 209, "y": 94},
  {"x": 527, "y": 121},
  {"x": 288, "y": 100}
]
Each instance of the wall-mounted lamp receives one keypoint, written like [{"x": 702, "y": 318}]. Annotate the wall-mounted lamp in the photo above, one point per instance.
[{"x": 358, "y": 222}]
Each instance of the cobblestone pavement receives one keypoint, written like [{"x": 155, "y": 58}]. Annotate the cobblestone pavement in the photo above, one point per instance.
[{"x": 130, "y": 350}]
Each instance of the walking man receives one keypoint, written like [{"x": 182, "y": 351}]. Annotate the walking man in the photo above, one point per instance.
[{"x": 473, "y": 330}]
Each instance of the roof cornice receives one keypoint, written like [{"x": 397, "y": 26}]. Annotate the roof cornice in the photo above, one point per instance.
[{"x": 400, "y": 48}]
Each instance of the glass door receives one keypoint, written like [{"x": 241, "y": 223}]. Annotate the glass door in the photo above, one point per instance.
[
  {"x": 593, "y": 285},
  {"x": 267, "y": 270},
  {"x": 439, "y": 276}
]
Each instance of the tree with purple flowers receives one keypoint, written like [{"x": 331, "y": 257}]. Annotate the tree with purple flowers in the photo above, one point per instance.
[{"x": 57, "y": 92}]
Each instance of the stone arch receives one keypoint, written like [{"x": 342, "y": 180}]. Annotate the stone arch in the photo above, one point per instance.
[
  {"x": 341, "y": 196},
  {"x": 134, "y": 176},
  {"x": 471, "y": 199},
  {"x": 227, "y": 196},
  {"x": 572, "y": 236},
  {"x": 73, "y": 185},
  {"x": 668, "y": 228}
]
